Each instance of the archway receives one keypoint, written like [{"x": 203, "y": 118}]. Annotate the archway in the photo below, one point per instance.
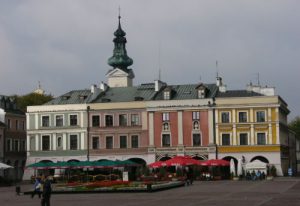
[
  {"x": 165, "y": 158},
  {"x": 139, "y": 161},
  {"x": 260, "y": 158}
]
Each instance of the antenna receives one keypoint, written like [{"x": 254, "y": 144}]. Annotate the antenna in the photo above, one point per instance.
[
  {"x": 217, "y": 70},
  {"x": 258, "y": 82},
  {"x": 119, "y": 11},
  {"x": 159, "y": 69},
  {"x": 39, "y": 86}
]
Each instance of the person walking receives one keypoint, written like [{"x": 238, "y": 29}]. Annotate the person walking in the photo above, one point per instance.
[
  {"x": 37, "y": 188},
  {"x": 46, "y": 192}
]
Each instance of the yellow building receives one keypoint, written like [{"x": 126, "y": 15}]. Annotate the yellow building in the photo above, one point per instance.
[{"x": 252, "y": 124}]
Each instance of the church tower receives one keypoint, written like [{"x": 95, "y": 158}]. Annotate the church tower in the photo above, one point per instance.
[{"x": 120, "y": 75}]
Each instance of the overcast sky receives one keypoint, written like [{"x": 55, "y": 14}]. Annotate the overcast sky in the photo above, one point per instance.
[{"x": 65, "y": 44}]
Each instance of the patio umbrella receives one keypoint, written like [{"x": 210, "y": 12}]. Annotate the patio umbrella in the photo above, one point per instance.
[
  {"x": 4, "y": 166},
  {"x": 182, "y": 161},
  {"x": 215, "y": 162},
  {"x": 239, "y": 168},
  {"x": 232, "y": 167},
  {"x": 157, "y": 164}
]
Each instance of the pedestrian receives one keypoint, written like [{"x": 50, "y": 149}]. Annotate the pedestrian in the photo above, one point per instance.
[
  {"x": 46, "y": 192},
  {"x": 36, "y": 188}
]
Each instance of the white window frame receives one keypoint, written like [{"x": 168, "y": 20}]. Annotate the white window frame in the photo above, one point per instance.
[
  {"x": 166, "y": 116},
  {"x": 61, "y": 146},
  {"x": 63, "y": 119},
  {"x": 126, "y": 119},
  {"x": 266, "y": 137},
  {"x": 50, "y": 145},
  {"x": 78, "y": 143},
  {"x": 201, "y": 93},
  {"x": 138, "y": 122},
  {"x": 167, "y": 95},
  {"x": 262, "y": 110},
  {"x": 95, "y": 136},
  {"x": 196, "y": 115},
  {"x": 69, "y": 119},
  {"x": 126, "y": 141},
  {"x": 48, "y": 122},
  {"x": 229, "y": 117},
  {"x": 113, "y": 141},
  {"x": 247, "y": 116},
  {"x": 138, "y": 136},
  {"x": 113, "y": 119},
  {"x": 248, "y": 138}
]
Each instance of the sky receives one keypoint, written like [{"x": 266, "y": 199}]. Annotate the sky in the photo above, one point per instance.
[{"x": 65, "y": 44}]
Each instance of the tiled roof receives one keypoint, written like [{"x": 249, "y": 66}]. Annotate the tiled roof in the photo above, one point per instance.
[
  {"x": 237, "y": 93},
  {"x": 188, "y": 91},
  {"x": 72, "y": 97}
]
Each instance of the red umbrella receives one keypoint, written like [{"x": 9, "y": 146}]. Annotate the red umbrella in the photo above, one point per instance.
[
  {"x": 215, "y": 162},
  {"x": 157, "y": 164},
  {"x": 182, "y": 161}
]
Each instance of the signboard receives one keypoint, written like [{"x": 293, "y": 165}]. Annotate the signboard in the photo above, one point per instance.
[{"x": 125, "y": 176}]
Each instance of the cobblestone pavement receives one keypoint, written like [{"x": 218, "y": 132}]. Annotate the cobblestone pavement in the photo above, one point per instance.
[{"x": 281, "y": 191}]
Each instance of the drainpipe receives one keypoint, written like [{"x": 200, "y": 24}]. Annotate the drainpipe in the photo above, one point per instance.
[
  {"x": 88, "y": 133},
  {"x": 214, "y": 126}
]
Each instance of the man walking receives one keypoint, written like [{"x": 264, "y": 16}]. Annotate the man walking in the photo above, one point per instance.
[{"x": 46, "y": 192}]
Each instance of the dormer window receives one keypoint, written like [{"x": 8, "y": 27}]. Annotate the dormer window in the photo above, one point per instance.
[
  {"x": 202, "y": 91},
  {"x": 166, "y": 95}
]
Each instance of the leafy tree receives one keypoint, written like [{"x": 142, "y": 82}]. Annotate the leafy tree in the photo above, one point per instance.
[
  {"x": 295, "y": 125},
  {"x": 31, "y": 99}
]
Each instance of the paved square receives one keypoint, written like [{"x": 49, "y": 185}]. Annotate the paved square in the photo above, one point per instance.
[{"x": 281, "y": 191}]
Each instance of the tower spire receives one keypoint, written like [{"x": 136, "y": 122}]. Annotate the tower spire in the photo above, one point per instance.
[{"x": 120, "y": 59}]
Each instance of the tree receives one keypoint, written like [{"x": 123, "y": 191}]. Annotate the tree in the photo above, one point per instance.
[
  {"x": 295, "y": 126},
  {"x": 31, "y": 100}
]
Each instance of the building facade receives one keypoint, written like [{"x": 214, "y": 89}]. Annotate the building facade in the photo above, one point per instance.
[
  {"x": 156, "y": 121},
  {"x": 12, "y": 138}
]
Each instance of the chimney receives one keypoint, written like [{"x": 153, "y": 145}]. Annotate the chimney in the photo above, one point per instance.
[
  {"x": 93, "y": 88},
  {"x": 219, "y": 81},
  {"x": 103, "y": 86},
  {"x": 158, "y": 85}
]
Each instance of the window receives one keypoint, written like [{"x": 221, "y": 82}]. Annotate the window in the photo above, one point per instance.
[
  {"x": 260, "y": 116},
  {"x": 45, "y": 121},
  {"x": 73, "y": 142},
  {"x": 261, "y": 138},
  {"x": 32, "y": 143},
  {"x": 196, "y": 139},
  {"x": 95, "y": 120},
  {"x": 109, "y": 142},
  {"x": 109, "y": 121},
  {"x": 16, "y": 146},
  {"x": 73, "y": 120},
  {"x": 134, "y": 141},
  {"x": 23, "y": 146},
  {"x": 8, "y": 124},
  {"x": 166, "y": 142},
  {"x": 225, "y": 117},
  {"x": 46, "y": 143},
  {"x": 242, "y": 116},
  {"x": 195, "y": 125},
  {"x": 167, "y": 95},
  {"x": 95, "y": 142},
  {"x": 59, "y": 142},
  {"x": 8, "y": 145},
  {"x": 201, "y": 93},
  {"x": 196, "y": 115},
  {"x": 243, "y": 139},
  {"x": 123, "y": 141},
  {"x": 17, "y": 124},
  {"x": 122, "y": 120},
  {"x": 59, "y": 120},
  {"x": 225, "y": 139},
  {"x": 166, "y": 116},
  {"x": 23, "y": 125},
  {"x": 135, "y": 120}
]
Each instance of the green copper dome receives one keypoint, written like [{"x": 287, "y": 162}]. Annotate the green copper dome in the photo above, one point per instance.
[{"x": 120, "y": 58}]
